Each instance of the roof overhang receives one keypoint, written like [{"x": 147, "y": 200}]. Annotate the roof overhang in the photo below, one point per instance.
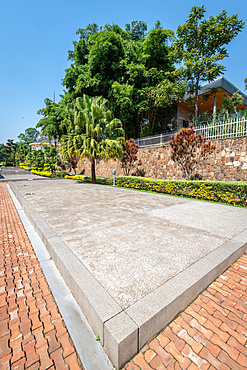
[{"x": 223, "y": 85}]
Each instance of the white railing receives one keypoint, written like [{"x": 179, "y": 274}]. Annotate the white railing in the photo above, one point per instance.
[
  {"x": 217, "y": 130},
  {"x": 154, "y": 140}
]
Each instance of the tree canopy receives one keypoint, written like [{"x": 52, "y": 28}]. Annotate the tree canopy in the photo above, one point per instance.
[
  {"x": 50, "y": 124},
  {"x": 134, "y": 69},
  {"x": 30, "y": 135},
  {"x": 92, "y": 132},
  {"x": 121, "y": 65},
  {"x": 201, "y": 44}
]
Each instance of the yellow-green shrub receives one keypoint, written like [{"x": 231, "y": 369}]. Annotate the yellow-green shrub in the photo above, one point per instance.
[
  {"x": 218, "y": 191},
  {"x": 42, "y": 173}
]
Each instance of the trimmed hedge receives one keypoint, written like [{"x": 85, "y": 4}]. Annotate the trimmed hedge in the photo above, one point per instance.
[
  {"x": 228, "y": 192},
  {"x": 49, "y": 173},
  {"x": 218, "y": 191},
  {"x": 99, "y": 180},
  {"x": 42, "y": 173}
]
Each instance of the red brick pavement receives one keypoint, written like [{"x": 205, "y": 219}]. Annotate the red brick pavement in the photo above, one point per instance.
[
  {"x": 210, "y": 334},
  {"x": 32, "y": 332}
]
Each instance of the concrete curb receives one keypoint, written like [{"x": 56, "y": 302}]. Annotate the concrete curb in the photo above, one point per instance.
[{"x": 124, "y": 332}]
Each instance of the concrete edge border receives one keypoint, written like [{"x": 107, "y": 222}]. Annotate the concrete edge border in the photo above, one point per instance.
[
  {"x": 123, "y": 333},
  {"x": 90, "y": 352}
]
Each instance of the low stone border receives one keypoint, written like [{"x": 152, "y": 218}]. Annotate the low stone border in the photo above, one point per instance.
[{"x": 124, "y": 332}]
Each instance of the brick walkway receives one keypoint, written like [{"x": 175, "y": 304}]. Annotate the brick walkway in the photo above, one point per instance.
[
  {"x": 32, "y": 332},
  {"x": 210, "y": 334}
]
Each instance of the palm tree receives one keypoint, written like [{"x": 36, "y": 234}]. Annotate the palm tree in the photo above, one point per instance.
[
  {"x": 22, "y": 151},
  {"x": 91, "y": 131},
  {"x": 50, "y": 124}
]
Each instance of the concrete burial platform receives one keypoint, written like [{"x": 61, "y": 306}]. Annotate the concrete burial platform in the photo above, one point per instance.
[
  {"x": 18, "y": 174},
  {"x": 132, "y": 260}
]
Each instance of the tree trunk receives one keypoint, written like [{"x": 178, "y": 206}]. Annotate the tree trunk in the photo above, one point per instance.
[{"x": 93, "y": 170}]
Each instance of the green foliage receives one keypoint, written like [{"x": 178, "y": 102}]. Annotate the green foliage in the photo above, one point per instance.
[
  {"x": 4, "y": 153},
  {"x": 91, "y": 132},
  {"x": 42, "y": 173},
  {"x": 234, "y": 193},
  {"x": 29, "y": 136},
  {"x": 49, "y": 173},
  {"x": 200, "y": 45},
  {"x": 99, "y": 180},
  {"x": 51, "y": 123},
  {"x": 7, "y": 152},
  {"x": 22, "y": 151},
  {"x": 51, "y": 157},
  {"x": 36, "y": 158},
  {"x": 76, "y": 177},
  {"x": 231, "y": 104},
  {"x": 189, "y": 149},
  {"x": 121, "y": 65}
]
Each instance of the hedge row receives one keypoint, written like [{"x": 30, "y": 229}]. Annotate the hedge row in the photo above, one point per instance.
[
  {"x": 218, "y": 191},
  {"x": 49, "y": 173},
  {"x": 234, "y": 193}
]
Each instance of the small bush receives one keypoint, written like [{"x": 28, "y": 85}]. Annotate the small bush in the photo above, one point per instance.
[
  {"x": 42, "y": 173},
  {"x": 99, "y": 180},
  {"x": 60, "y": 174},
  {"x": 75, "y": 177}
]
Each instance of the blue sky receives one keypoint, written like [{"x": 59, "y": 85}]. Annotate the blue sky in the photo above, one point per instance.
[{"x": 35, "y": 37}]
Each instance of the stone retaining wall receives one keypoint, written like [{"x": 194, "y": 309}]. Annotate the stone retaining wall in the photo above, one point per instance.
[{"x": 228, "y": 162}]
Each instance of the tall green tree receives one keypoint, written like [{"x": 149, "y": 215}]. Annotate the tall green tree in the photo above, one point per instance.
[
  {"x": 22, "y": 151},
  {"x": 201, "y": 44},
  {"x": 92, "y": 132},
  {"x": 50, "y": 124},
  {"x": 51, "y": 156},
  {"x": 119, "y": 64},
  {"x": 36, "y": 159},
  {"x": 4, "y": 153},
  {"x": 30, "y": 135},
  {"x": 7, "y": 151}
]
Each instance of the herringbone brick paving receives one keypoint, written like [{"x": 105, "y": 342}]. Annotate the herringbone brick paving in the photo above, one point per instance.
[
  {"x": 32, "y": 332},
  {"x": 210, "y": 334}
]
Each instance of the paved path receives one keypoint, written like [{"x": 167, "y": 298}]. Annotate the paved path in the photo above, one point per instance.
[
  {"x": 210, "y": 334},
  {"x": 32, "y": 332}
]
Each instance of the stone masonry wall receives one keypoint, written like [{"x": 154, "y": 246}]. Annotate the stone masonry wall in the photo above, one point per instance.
[{"x": 228, "y": 162}]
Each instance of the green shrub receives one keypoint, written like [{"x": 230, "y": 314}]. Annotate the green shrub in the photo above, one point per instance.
[
  {"x": 218, "y": 191},
  {"x": 229, "y": 192},
  {"x": 75, "y": 177},
  {"x": 99, "y": 180},
  {"x": 60, "y": 174},
  {"x": 42, "y": 173}
]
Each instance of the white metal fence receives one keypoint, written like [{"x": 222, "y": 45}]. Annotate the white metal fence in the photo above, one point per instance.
[
  {"x": 154, "y": 140},
  {"x": 217, "y": 130}
]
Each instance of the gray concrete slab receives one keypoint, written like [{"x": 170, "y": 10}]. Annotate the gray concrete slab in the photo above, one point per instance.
[
  {"x": 150, "y": 253},
  {"x": 18, "y": 174}
]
